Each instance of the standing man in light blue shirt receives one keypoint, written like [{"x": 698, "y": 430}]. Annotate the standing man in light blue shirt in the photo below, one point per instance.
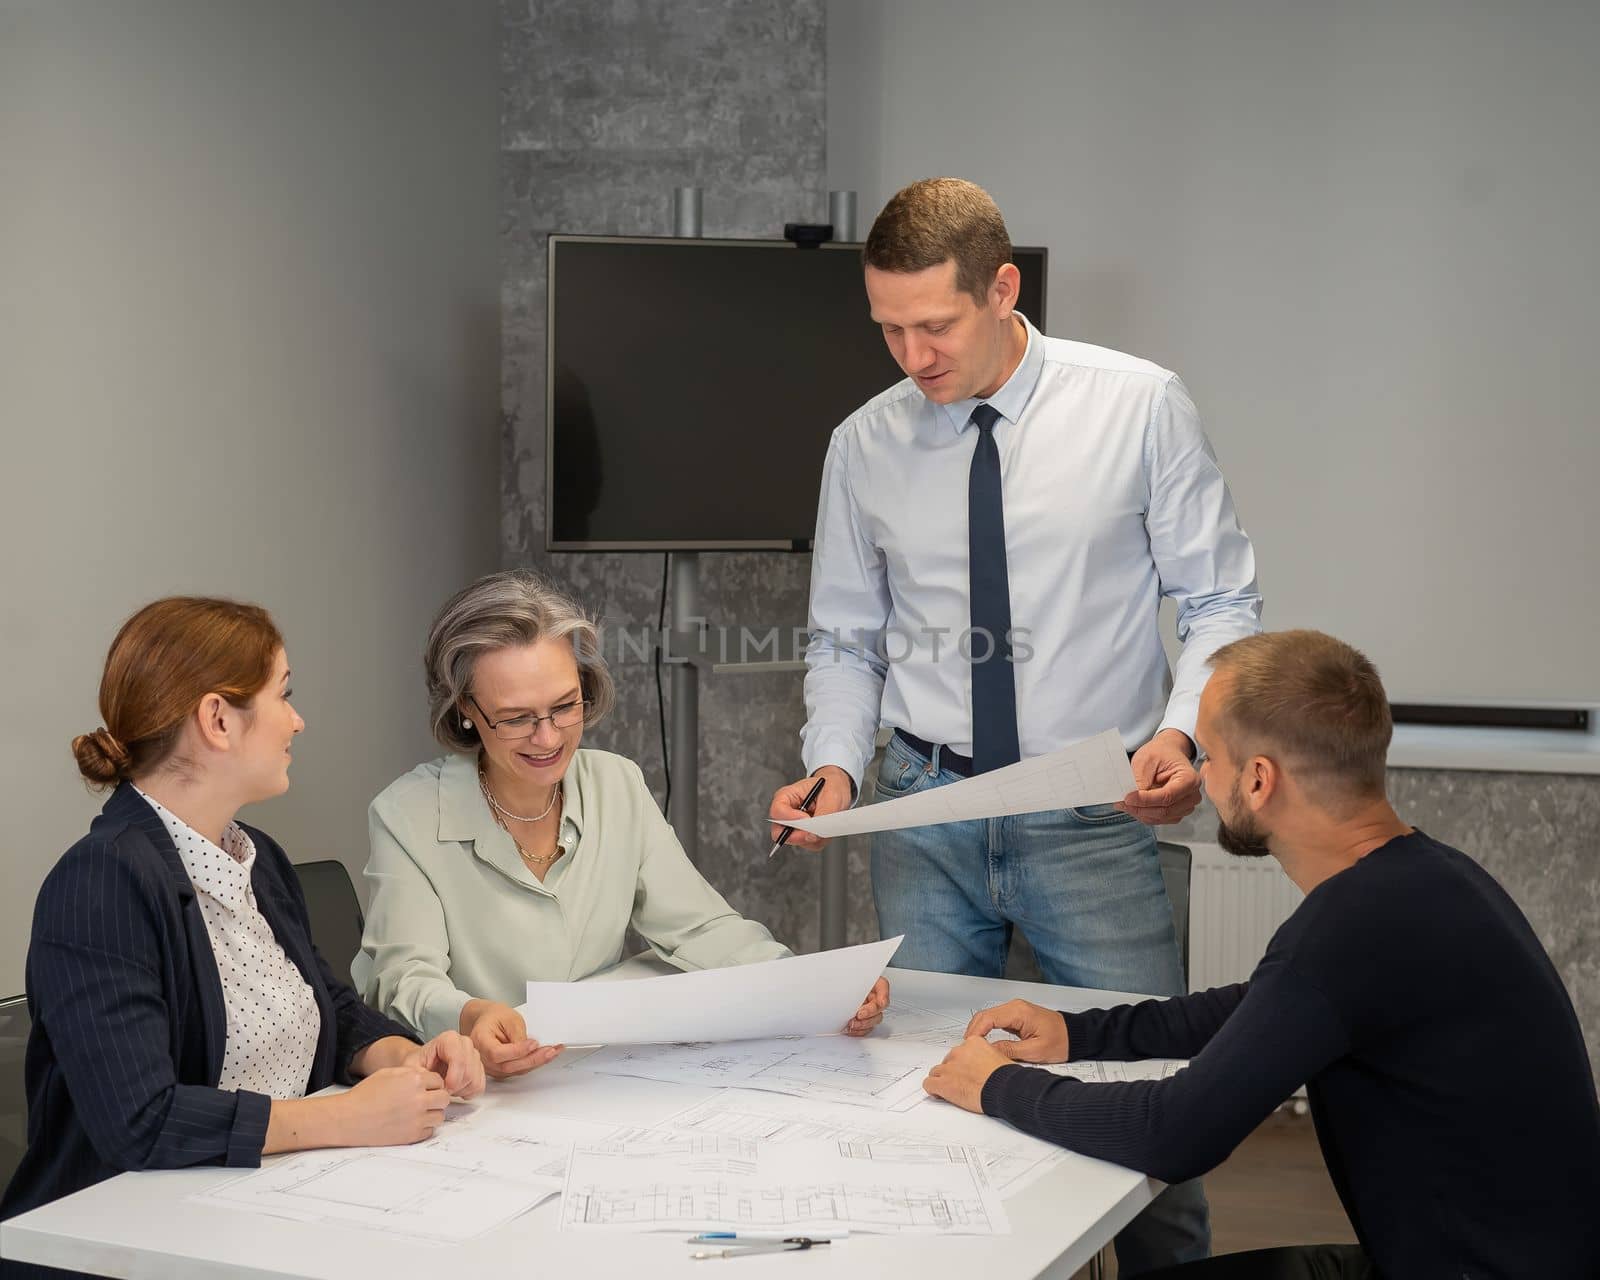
[{"x": 995, "y": 536}]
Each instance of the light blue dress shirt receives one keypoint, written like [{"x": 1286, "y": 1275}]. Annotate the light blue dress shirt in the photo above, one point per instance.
[{"x": 1113, "y": 499}]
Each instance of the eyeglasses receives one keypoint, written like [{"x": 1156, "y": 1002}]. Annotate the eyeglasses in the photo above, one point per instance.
[{"x": 567, "y": 716}]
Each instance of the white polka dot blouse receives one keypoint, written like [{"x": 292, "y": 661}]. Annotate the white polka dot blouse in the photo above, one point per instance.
[{"x": 273, "y": 1019}]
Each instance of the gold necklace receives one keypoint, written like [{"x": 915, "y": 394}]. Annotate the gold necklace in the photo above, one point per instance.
[
  {"x": 483, "y": 781},
  {"x": 536, "y": 859}
]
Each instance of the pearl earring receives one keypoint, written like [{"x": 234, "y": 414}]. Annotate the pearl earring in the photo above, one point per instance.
[{"x": 465, "y": 723}]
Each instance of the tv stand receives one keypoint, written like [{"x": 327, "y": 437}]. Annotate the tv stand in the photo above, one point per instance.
[
  {"x": 691, "y": 652},
  {"x": 684, "y": 735}
]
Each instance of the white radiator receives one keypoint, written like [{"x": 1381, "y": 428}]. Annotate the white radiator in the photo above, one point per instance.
[{"x": 1235, "y": 906}]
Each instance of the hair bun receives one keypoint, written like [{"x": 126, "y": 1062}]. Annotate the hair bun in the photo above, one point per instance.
[{"x": 101, "y": 758}]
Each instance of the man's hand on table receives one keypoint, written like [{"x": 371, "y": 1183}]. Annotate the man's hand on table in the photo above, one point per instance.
[
  {"x": 966, "y": 1069},
  {"x": 1041, "y": 1033},
  {"x": 1042, "y": 1037}
]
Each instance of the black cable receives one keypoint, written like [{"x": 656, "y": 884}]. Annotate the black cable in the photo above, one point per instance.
[{"x": 661, "y": 696}]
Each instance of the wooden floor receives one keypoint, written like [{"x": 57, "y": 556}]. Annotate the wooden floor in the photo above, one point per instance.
[{"x": 1273, "y": 1190}]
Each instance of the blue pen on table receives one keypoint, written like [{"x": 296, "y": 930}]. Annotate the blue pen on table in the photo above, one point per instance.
[
  {"x": 769, "y": 1237},
  {"x": 811, "y": 799}
]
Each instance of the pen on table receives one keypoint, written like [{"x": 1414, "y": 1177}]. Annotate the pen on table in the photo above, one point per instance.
[
  {"x": 768, "y": 1237},
  {"x": 794, "y": 1244},
  {"x": 811, "y": 799}
]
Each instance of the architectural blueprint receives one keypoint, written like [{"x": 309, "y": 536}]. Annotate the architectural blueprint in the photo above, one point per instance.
[
  {"x": 676, "y": 1181},
  {"x": 937, "y": 1030},
  {"x": 1012, "y": 1159},
  {"x": 882, "y": 1073},
  {"x": 1119, "y": 1072},
  {"x": 478, "y": 1171}
]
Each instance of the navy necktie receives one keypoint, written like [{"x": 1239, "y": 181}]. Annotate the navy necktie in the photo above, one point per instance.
[{"x": 994, "y": 688}]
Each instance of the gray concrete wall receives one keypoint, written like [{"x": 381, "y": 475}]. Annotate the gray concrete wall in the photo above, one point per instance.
[
  {"x": 607, "y": 108},
  {"x": 248, "y": 342}
]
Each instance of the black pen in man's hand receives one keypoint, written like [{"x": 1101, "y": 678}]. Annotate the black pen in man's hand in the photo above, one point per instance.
[{"x": 811, "y": 799}]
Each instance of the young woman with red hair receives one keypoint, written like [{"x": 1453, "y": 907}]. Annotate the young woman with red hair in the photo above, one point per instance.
[{"x": 180, "y": 1011}]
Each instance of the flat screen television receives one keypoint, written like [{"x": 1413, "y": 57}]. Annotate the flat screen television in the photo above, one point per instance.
[{"x": 692, "y": 386}]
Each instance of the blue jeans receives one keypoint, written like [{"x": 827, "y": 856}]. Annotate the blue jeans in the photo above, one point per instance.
[{"x": 1085, "y": 888}]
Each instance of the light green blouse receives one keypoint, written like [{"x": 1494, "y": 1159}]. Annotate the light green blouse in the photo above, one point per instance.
[{"x": 456, "y": 915}]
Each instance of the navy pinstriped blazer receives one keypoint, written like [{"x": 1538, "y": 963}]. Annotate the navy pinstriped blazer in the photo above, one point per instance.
[{"x": 129, "y": 1025}]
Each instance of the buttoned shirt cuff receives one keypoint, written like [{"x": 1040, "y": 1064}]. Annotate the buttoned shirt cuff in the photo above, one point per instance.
[
  {"x": 840, "y": 754},
  {"x": 855, "y": 788},
  {"x": 1181, "y": 715},
  {"x": 442, "y": 1012}
]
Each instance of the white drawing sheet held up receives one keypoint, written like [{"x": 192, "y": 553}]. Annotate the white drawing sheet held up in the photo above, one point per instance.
[
  {"x": 795, "y": 996},
  {"x": 657, "y": 1180},
  {"x": 1095, "y": 771},
  {"x": 864, "y": 1071}
]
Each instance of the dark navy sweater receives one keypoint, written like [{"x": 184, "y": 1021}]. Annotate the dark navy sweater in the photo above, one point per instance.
[{"x": 1447, "y": 1073}]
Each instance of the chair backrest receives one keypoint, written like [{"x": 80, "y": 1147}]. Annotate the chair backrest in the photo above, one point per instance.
[
  {"x": 336, "y": 919},
  {"x": 1176, "y": 861},
  {"x": 14, "y": 1024}
]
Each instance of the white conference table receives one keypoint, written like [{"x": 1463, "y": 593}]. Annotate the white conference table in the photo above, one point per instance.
[{"x": 140, "y": 1225}]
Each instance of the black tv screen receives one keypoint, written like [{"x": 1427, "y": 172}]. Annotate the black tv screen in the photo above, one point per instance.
[{"x": 693, "y": 386}]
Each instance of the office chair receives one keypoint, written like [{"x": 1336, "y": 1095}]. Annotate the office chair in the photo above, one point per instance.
[
  {"x": 336, "y": 920},
  {"x": 1176, "y": 864},
  {"x": 14, "y": 1024}
]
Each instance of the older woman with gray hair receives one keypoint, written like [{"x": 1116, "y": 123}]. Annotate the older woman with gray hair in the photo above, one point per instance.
[{"x": 520, "y": 855}]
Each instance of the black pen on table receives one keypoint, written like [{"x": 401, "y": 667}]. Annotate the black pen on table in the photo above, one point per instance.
[
  {"x": 789, "y": 1244},
  {"x": 811, "y": 799}
]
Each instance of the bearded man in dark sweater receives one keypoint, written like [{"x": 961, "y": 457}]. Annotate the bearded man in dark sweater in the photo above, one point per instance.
[{"x": 1447, "y": 1073}]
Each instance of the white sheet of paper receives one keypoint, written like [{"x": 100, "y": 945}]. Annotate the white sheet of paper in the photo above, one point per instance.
[
  {"x": 1012, "y": 1159},
  {"x": 478, "y": 1171},
  {"x": 1095, "y": 1072},
  {"x": 514, "y": 1144},
  {"x": 795, "y": 996},
  {"x": 1095, "y": 771},
  {"x": 865, "y": 1071},
  {"x": 907, "y": 1024},
  {"x": 665, "y": 1181},
  {"x": 902, "y": 1018}
]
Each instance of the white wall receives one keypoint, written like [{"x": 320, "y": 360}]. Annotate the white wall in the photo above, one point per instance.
[
  {"x": 1364, "y": 233},
  {"x": 248, "y": 345}
]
